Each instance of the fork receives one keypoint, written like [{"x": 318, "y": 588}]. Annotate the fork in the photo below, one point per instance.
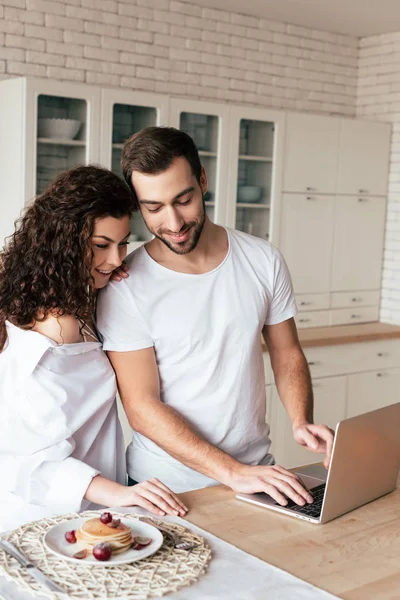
[{"x": 180, "y": 545}]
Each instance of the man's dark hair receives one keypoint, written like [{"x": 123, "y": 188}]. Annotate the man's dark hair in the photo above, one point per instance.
[{"x": 152, "y": 151}]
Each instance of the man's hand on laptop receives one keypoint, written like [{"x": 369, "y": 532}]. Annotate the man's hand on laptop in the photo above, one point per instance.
[
  {"x": 317, "y": 438},
  {"x": 274, "y": 480}
]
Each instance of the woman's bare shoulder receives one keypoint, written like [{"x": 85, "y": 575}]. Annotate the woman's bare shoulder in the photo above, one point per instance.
[{"x": 63, "y": 330}]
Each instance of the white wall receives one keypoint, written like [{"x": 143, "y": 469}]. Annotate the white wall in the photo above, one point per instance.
[
  {"x": 182, "y": 49},
  {"x": 378, "y": 97}
]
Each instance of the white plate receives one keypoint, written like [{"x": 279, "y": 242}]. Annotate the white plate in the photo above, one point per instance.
[{"x": 56, "y": 543}]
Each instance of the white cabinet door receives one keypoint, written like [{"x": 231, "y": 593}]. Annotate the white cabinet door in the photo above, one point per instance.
[
  {"x": 368, "y": 391},
  {"x": 363, "y": 157},
  {"x": 311, "y": 153},
  {"x": 207, "y": 123},
  {"x": 358, "y": 243},
  {"x": 255, "y": 171},
  {"x": 329, "y": 409},
  {"x": 306, "y": 240}
]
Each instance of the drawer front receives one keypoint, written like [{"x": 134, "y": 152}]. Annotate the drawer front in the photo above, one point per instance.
[
  {"x": 381, "y": 354},
  {"x": 354, "y": 299},
  {"x": 351, "y": 316},
  {"x": 309, "y": 302},
  {"x": 353, "y": 358},
  {"x": 327, "y": 360},
  {"x": 319, "y": 318}
]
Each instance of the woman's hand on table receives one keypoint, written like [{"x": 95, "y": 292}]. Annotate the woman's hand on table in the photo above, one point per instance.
[
  {"x": 154, "y": 496},
  {"x": 277, "y": 482}
]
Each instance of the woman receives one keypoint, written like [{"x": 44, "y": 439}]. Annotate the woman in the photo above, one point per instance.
[{"x": 61, "y": 447}]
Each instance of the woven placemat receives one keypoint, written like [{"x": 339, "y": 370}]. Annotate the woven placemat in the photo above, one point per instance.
[{"x": 165, "y": 571}]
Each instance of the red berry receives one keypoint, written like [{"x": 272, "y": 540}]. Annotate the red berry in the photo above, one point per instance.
[
  {"x": 102, "y": 551},
  {"x": 106, "y": 517},
  {"x": 70, "y": 536}
]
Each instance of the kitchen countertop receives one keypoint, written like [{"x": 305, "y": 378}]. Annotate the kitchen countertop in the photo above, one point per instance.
[
  {"x": 355, "y": 556},
  {"x": 346, "y": 334}
]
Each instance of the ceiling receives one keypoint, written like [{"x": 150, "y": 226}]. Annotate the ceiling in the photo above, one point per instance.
[{"x": 352, "y": 17}]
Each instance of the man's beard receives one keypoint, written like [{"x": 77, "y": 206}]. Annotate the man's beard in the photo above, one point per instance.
[{"x": 196, "y": 227}]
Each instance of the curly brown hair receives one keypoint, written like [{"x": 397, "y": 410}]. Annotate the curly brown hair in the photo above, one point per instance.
[{"x": 45, "y": 266}]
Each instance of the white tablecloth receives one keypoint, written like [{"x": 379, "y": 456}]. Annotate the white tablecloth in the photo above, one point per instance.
[{"x": 231, "y": 575}]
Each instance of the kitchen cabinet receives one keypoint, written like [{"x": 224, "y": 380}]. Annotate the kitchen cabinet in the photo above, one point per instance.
[
  {"x": 328, "y": 221},
  {"x": 347, "y": 379},
  {"x": 359, "y": 229},
  {"x": 375, "y": 389},
  {"x": 306, "y": 240},
  {"x": 36, "y": 139},
  {"x": 311, "y": 154},
  {"x": 363, "y": 157},
  {"x": 254, "y": 172}
]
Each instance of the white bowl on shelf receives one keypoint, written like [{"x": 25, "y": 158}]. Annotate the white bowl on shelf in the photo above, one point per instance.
[
  {"x": 249, "y": 193},
  {"x": 65, "y": 129}
]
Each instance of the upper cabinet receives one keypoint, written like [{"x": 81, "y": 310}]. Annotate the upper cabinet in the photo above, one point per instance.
[
  {"x": 45, "y": 127},
  {"x": 363, "y": 157},
  {"x": 254, "y": 174},
  {"x": 313, "y": 185},
  {"x": 311, "y": 154},
  {"x": 124, "y": 113},
  {"x": 207, "y": 123}
]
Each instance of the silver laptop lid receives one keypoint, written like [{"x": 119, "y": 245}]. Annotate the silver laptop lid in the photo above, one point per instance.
[{"x": 365, "y": 461}]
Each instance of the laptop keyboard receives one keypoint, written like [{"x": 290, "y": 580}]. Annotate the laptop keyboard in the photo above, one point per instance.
[{"x": 314, "y": 509}]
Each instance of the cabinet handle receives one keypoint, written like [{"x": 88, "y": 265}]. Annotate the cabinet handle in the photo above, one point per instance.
[
  {"x": 311, "y": 189},
  {"x": 312, "y": 363},
  {"x": 383, "y": 353},
  {"x": 356, "y": 316},
  {"x": 363, "y": 199},
  {"x": 360, "y": 191},
  {"x": 381, "y": 374},
  {"x": 356, "y": 299},
  {"x": 311, "y": 198},
  {"x": 304, "y": 303},
  {"x": 304, "y": 320}
]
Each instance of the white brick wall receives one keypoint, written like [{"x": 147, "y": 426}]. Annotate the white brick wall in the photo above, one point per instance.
[
  {"x": 152, "y": 44},
  {"x": 378, "y": 97}
]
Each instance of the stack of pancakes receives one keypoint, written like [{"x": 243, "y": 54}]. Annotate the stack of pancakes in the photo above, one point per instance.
[{"x": 93, "y": 532}]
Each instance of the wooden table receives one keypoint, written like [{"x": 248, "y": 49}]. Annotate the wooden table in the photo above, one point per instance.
[{"x": 355, "y": 557}]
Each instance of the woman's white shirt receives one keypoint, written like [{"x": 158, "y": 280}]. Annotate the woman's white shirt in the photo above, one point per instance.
[{"x": 58, "y": 426}]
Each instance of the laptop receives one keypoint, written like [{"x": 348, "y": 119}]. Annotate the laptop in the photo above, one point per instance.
[{"x": 364, "y": 466}]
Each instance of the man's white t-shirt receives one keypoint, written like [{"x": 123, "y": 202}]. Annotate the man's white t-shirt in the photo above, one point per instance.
[{"x": 205, "y": 330}]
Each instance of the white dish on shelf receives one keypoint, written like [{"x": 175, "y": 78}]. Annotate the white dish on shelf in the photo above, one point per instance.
[
  {"x": 249, "y": 193},
  {"x": 65, "y": 129}
]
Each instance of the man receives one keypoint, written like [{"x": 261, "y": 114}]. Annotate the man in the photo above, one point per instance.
[{"x": 183, "y": 335}]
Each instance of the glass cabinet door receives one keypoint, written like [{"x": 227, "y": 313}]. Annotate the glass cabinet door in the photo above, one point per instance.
[
  {"x": 65, "y": 133},
  {"x": 254, "y": 160},
  {"x": 61, "y": 136},
  {"x": 123, "y": 114},
  {"x": 206, "y": 123}
]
